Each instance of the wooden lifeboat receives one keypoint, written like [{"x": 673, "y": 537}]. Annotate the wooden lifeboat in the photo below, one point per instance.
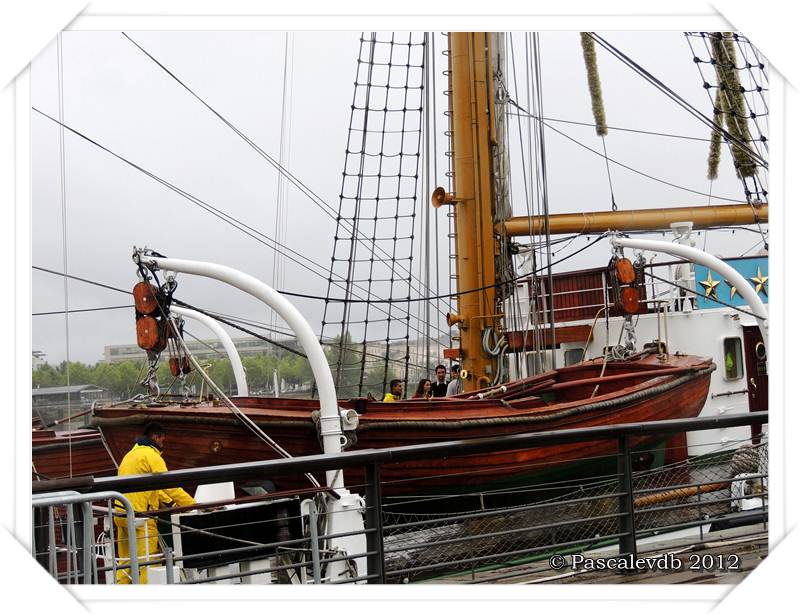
[{"x": 642, "y": 388}]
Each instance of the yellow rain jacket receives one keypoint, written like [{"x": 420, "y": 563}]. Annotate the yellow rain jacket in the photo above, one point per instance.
[
  {"x": 140, "y": 460},
  {"x": 144, "y": 459}
]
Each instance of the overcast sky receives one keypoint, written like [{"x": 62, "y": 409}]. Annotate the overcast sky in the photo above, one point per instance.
[{"x": 117, "y": 96}]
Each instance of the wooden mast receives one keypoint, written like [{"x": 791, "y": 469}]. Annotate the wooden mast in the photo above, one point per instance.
[
  {"x": 703, "y": 217},
  {"x": 472, "y": 97},
  {"x": 474, "y": 202}
]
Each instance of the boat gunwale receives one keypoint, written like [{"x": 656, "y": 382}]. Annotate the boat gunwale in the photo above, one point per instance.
[{"x": 378, "y": 414}]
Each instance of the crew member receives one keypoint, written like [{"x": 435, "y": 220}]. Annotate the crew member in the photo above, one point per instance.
[
  {"x": 395, "y": 391},
  {"x": 145, "y": 457}
]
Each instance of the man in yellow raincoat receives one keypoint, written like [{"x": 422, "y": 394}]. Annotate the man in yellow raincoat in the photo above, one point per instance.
[
  {"x": 145, "y": 457},
  {"x": 395, "y": 391}
]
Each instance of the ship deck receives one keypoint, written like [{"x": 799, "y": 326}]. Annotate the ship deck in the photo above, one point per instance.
[{"x": 744, "y": 546}]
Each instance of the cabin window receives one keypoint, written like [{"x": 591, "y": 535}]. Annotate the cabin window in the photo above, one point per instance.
[
  {"x": 572, "y": 356},
  {"x": 732, "y": 356}
]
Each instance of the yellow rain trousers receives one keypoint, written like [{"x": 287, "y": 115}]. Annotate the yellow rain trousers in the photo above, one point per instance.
[{"x": 140, "y": 460}]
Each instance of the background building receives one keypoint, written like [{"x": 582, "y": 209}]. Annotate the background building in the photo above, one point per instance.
[
  {"x": 202, "y": 349},
  {"x": 52, "y": 403}
]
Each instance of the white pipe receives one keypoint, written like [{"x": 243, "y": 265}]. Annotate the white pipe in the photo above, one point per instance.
[
  {"x": 227, "y": 343},
  {"x": 718, "y": 265},
  {"x": 330, "y": 427}
]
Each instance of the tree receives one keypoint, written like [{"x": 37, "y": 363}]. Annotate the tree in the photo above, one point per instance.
[{"x": 47, "y": 376}]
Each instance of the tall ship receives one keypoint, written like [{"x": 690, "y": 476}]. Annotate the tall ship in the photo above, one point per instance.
[
  {"x": 447, "y": 251},
  {"x": 536, "y": 349}
]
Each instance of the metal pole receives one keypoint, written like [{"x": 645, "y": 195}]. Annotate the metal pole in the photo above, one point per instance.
[
  {"x": 87, "y": 542},
  {"x": 627, "y": 524},
  {"x": 133, "y": 548},
  {"x": 473, "y": 102},
  {"x": 51, "y": 539},
  {"x": 374, "y": 524},
  {"x": 718, "y": 265},
  {"x": 39, "y": 536},
  {"x": 168, "y": 565},
  {"x": 703, "y": 217},
  {"x": 66, "y": 498},
  {"x": 312, "y": 529},
  {"x": 330, "y": 423},
  {"x": 69, "y": 540},
  {"x": 227, "y": 343},
  {"x": 112, "y": 539}
]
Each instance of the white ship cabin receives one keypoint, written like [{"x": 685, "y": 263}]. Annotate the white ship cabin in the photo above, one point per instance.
[{"x": 686, "y": 307}]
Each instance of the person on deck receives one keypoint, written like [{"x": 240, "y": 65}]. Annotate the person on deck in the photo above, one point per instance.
[
  {"x": 455, "y": 386},
  {"x": 423, "y": 390},
  {"x": 145, "y": 457},
  {"x": 439, "y": 387},
  {"x": 395, "y": 391}
]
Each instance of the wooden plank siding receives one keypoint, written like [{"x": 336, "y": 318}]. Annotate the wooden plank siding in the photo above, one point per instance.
[
  {"x": 576, "y": 296},
  {"x": 524, "y": 340}
]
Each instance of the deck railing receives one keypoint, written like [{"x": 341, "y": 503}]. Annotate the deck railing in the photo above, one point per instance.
[{"x": 411, "y": 539}]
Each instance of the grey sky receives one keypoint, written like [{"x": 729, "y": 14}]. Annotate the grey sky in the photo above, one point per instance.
[{"x": 116, "y": 95}]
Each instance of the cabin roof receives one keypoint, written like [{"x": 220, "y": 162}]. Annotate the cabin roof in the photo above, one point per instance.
[{"x": 72, "y": 389}]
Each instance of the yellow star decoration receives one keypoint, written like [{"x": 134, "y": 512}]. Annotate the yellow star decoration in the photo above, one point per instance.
[
  {"x": 734, "y": 290},
  {"x": 710, "y": 285},
  {"x": 760, "y": 282}
]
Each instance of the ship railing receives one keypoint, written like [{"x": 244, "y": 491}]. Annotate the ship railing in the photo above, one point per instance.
[
  {"x": 578, "y": 295},
  {"x": 64, "y": 530},
  {"x": 621, "y": 510}
]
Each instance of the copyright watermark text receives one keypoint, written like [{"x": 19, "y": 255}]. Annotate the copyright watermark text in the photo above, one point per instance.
[{"x": 663, "y": 562}]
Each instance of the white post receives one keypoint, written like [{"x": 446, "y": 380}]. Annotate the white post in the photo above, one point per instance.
[
  {"x": 330, "y": 426},
  {"x": 227, "y": 343},
  {"x": 718, "y": 265}
]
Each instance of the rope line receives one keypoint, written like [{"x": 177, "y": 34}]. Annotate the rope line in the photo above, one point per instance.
[
  {"x": 616, "y": 162},
  {"x": 725, "y": 102},
  {"x": 260, "y": 237},
  {"x": 649, "y": 77},
  {"x": 307, "y": 191},
  {"x": 64, "y": 245},
  {"x": 379, "y": 196}
]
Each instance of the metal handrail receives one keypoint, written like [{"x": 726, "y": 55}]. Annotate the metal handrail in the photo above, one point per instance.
[
  {"x": 55, "y": 499},
  {"x": 348, "y": 459},
  {"x": 374, "y": 530}
]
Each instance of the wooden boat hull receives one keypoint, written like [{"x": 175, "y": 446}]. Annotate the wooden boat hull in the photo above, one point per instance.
[
  {"x": 647, "y": 389},
  {"x": 57, "y": 455}
]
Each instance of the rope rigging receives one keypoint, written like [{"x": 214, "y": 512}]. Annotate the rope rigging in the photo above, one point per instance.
[
  {"x": 596, "y": 94},
  {"x": 64, "y": 247},
  {"x": 378, "y": 200},
  {"x": 174, "y": 335},
  {"x": 281, "y": 215},
  {"x": 300, "y": 259},
  {"x": 528, "y": 114},
  {"x": 624, "y": 129},
  {"x": 650, "y": 78},
  {"x": 365, "y": 249},
  {"x": 307, "y": 191},
  {"x": 532, "y": 324},
  {"x": 214, "y": 314},
  {"x": 735, "y": 106}
]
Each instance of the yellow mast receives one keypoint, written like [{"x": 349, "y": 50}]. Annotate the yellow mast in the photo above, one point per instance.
[
  {"x": 703, "y": 217},
  {"x": 472, "y": 97},
  {"x": 477, "y": 237}
]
